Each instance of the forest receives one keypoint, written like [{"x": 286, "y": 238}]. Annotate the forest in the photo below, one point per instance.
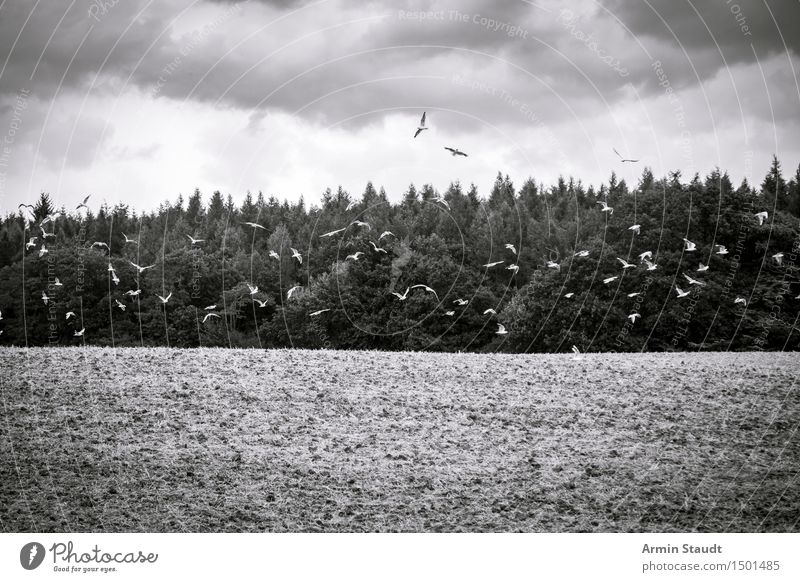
[{"x": 571, "y": 269}]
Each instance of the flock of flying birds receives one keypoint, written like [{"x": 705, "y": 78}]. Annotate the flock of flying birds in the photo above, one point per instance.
[{"x": 645, "y": 260}]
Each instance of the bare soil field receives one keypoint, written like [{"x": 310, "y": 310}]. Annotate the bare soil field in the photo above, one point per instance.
[{"x": 169, "y": 440}]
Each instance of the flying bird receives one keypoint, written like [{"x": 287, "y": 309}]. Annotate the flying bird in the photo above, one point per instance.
[
  {"x": 195, "y": 240},
  {"x": 296, "y": 254},
  {"x": 721, "y": 250},
  {"x": 461, "y": 302},
  {"x": 636, "y": 228},
  {"x": 361, "y": 223},
  {"x": 45, "y": 298},
  {"x": 651, "y": 266},
  {"x": 354, "y": 256},
  {"x": 57, "y": 283},
  {"x": 490, "y": 310},
  {"x": 690, "y": 246},
  {"x": 274, "y": 255},
  {"x": 43, "y": 251},
  {"x": 101, "y": 244},
  {"x": 455, "y": 151},
  {"x": 778, "y": 258},
  {"x": 633, "y": 317},
  {"x": 46, "y": 234},
  {"x": 608, "y": 280},
  {"x": 575, "y": 349},
  {"x": 79, "y": 333},
  {"x": 702, "y": 268},
  {"x": 210, "y": 307},
  {"x": 605, "y": 207},
  {"x": 401, "y": 297},
  {"x": 681, "y": 292},
  {"x": 333, "y": 232},
  {"x": 581, "y": 254},
  {"x": 83, "y": 204},
  {"x": 255, "y": 225},
  {"x": 261, "y": 304},
  {"x": 70, "y": 314},
  {"x": 421, "y": 127},
  {"x": 761, "y": 216},
  {"x": 376, "y": 248},
  {"x": 209, "y": 315},
  {"x": 129, "y": 240},
  {"x": 623, "y": 160},
  {"x": 253, "y": 290},
  {"x": 165, "y": 299},
  {"x": 120, "y": 304},
  {"x": 385, "y": 233},
  {"x": 511, "y": 247},
  {"x": 315, "y": 313},
  {"x": 693, "y": 281},
  {"x": 645, "y": 255},
  {"x": 501, "y": 329},
  {"x": 292, "y": 290},
  {"x": 553, "y": 265},
  {"x": 140, "y": 269},
  {"x": 626, "y": 264},
  {"x": 110, "y": 268},
  {"x": 490, "y": 265},
  {"x": 442, "y": 201},
  {"x": 133, "y": 293},
  {"x": 514, "y": 268},
  {"x": 741, "y": 300},
  {"x": 428, "y": 289},
  {"x": 450, "y": 313},
  {"x": 634, "y": 294},
  {"x": 114, "y": 278},
  {"x": 569, "y": 295},
  {"x": 31, "y": 243}
]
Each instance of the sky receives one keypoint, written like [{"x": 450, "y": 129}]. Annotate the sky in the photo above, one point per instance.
[{"x": 138, "y": 101}]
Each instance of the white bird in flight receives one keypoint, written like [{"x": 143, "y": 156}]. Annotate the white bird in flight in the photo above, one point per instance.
[
  {"x": 274, "y": 255},
  {"x": 385, "y": 233},
  {"x": 261, "y": 304},
  {"x": 455, "y": 151},
  {"x": 43, "y": 251},
  {"x": 101, "y": 244},
  {"x": 361, "y": 223},
  {"x": 693, "y": 281},
  {"x": 133, "y": 293},
  {"x": 401, "y": 297},
  {"x": 296, "y": 254},
  {"x": 581, "y": 254},
  {"x": 83, "y": 204},
  {"x": 690, "y": 246},
  {"x": 761, "y": 216},
  {"x": 490, "y": 265},
  {"x": 636, "y": 228},
  {"x": 253, "y": 290},
  {"x": 57, "y": 283},
  {"x": 70, "y": 314},
  {"x": 634, "y": 294},
  {"x": 513, "y": 267},
  {"x": 605, "y": 207},
  {"x": 553, "y": 265},
  {"x": 450, "y": 313},
  {"x": 461, "y": 302},
  {"x": 354, "y": 256},
  {"x": 741, "y": 300},
  {"x": 778, "y": 258},
  {"x": 45, "y": 298},
  {"x": 255, "y": 225},
  {"x": 623, "y": 160},
  {"x": 46, "y": 235},
  {"x": 210, "y": 307},
  {"x": 569, "y": 295},
  {"x": 120, "y": 304},
  {"x": 626, "y": 264},
  {"x": 651, "y": 266},
  {"x": 209, "y": 315},
  {"x": 702, "y": 268},
  {"x": 490, "y": 310},
  {"x": 292, "y": 290},
  {"x": 681, "y": 292},
  {"x": 645, "y": 255},
  {"x": 428, "y": 289},
  {"x": 195, "y": 240},
  {"x": 318, "y": 312},
  {"x": 501, "y": 329},
  {"x": 421, "y": 127},
  {"x": 721, "y": 250},
  {"x": 608, "y": 280},
  {"x": 79, "y": 333},
  {"x": 333, "y": 232},
  {"x": 141, "y": 269},
  {"x": 114, "y": 277},
  {"x": 376, "y": 248},
  {"x": 129, "y": 240},
  {"x": 511, "y": 247},
  {"x": 165, "y": 299},
  {"x": 633, "y": 317},
  {"x": 31, "y": 243}
]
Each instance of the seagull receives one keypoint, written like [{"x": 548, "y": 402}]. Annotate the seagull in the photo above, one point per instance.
[
  {"x": 693, "y": 281},
  {"x": 361, "y": 223},
  {"x": 165, "y": 299},
  {"x": 83, "y": 204},
  {"x": 210, "y": 307},
  {"x": 57, "y": 283},
  {"x": 635, "y": 228},
  {"x": 385, "y": 233},
  {"x": 633, "y": 317},
  {"x": 274, "y": 255},
  {"x": 721, "y": 250},
  {"x": 315, "y": 313},
  {"x": 101, "y": 244},
  {"x": 778, "y": 258},
  {"x": 441, "y": 200},
  {"x": 449, "y": 313},
  {"x": 623, "y": 160},
  {"x": 70, "y": 314},
  {"x": 645, "y": 255},
  {"x": 45, "y": 298},
  {"x": 28, "y": 206},
  {"x": 626, "y": 264},
  {"x": 428, "y": 289},
  {"x": 512, "y": 248},
  {"x": 43, "y": 251},
  {"x": 292, "y": 290},
  {"x": 490, "y": 265},
  {"x": 209, "y": 315},
  {"x": 514, "y": 268},
  {"x": 141, "y": 269},
  {"x": 253, "y": 290},
  {"x": 79, "y": 333},
  {"x": 569, "y": 295},
  {"x": 690, "y": 246},
  {"x": 376, "y": 248},
  {"x": 575, "y": 349},
  {"x": 114, "y": 278},
  {"x": 702, "y": 268},
  {"x": 354, "y": 256},
  {"x": 651, "y": 266},
  {"x": 30, "y": 243},
  {"x": 761, "y": 216},
  {"x": 606, "y": 207},
  {"x": 741, "y": 300},
  {"x": 110, "y": 268},
  {"x": 133, "y": 293},
  {"x": 195, "y": 240},
  {"x": 261, "y": 304},
  {"x": 490, "y": 310},
  {"x": 47, "y": 219},
  {"x": 553, "y": 265},
  {"x": 455, "y": 151},
  {"x": 634, "y": 294},
  {"x": 353, "y": 204},
  {"x": 296, "y": 254},
  {"x": 1, "y": 316},
  {"x": 129, "y": 240},
  {"x": 333, "y": 232},
  {"x": 401, "y": 297},
  {"x": 681, "y": 292},
  {"x": 581, "y": 254},
  {"x": 501, "y": 329},
  {"x": 461, "y": 302},
  {"x": 608, "y": 280},
  {"x": 46, "y": 234},
  {"x": 255, "y": 225},
  {"x": 120, "y": 304},
  {"x": 421, "y": 127}
]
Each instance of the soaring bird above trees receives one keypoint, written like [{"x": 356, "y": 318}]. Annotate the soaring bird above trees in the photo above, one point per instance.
[
  {"x": 761, "y": 216},
  {"x": 361, "y": 223},
  {"x": 164, "y": 299},
  {"x": 333, "y": 232},
  {"x": 129, "y": 240},
  {"x": 274, "y": 255},
  {"x": 501, "y": 329},
  {"x": 253, "y": 288},
  {"x": 141, "y": 269},
  {"x": 514, "y": 268},
  {"x": 701, "y": 268},
  {"x": 778, "y": 258},
  {"x": 605, "y": 207},
  {"x": 120, "y": 304},
  {"x": 376, "y": 248},
  {"x": 194, "y": 241},
  {"x": 296, "y": 255},
  {"x": 79, "y": 333},
  {"x": 626, "y": 264},
  {"x": 255, "y": 225},
  {"x": 83, "y": 204},
  {"x": 645, "y": 255},
  {"x": 421, "y": 127},
  {"x": 402, "y": 297},
  {"x": 455, "y": 151},
  {"x": 623, "y": 160},
  {"x": 633, "y": 317},
  {"x": 209, "y": 315},
  {"x": 101, "y": 244}
]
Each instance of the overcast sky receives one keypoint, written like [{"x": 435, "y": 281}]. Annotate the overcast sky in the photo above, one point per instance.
[{"x": 137, "y": 101}]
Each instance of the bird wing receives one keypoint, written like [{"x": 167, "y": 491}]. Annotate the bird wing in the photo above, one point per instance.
[
  {"x": 422, "y": 121},
  {"x": 616, "y": 152}
]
